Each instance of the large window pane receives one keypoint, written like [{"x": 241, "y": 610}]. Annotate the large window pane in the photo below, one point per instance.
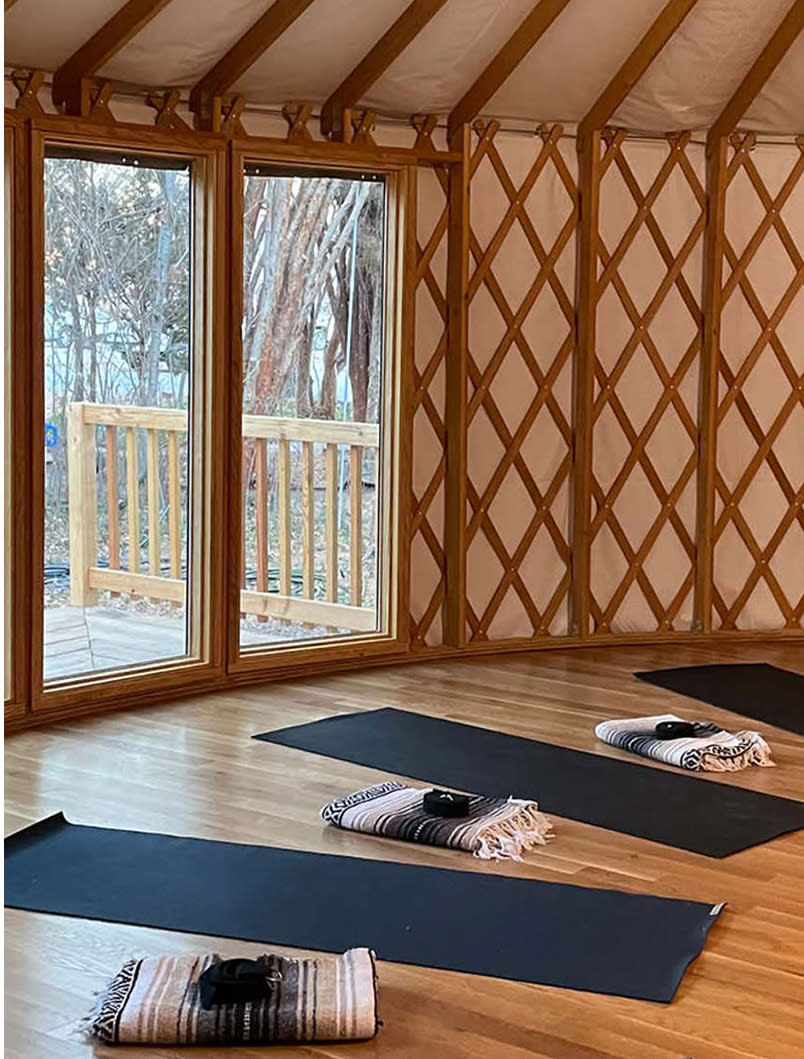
[
  {"x": 312, "y": 407},
  {"x": 117, "y": 379}
]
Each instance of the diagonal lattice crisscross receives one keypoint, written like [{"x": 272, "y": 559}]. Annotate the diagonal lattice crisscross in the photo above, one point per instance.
[
  {"x": 423, "y": 399},
  {"x": 677, "y": 161},
  {"x": 769, "y": 343},
  {"x": 512, "y": 437}
]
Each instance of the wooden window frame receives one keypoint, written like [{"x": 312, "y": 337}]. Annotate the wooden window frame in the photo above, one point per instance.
[
  {"x": 400, "y": 184},
  {"x": 205, "y": 660},
  {"x": 16, "y": 412}
]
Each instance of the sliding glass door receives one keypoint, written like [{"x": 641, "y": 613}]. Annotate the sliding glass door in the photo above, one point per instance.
[
  {"x": 313, "y": 485},
  {"x": 118, "y": 388}
]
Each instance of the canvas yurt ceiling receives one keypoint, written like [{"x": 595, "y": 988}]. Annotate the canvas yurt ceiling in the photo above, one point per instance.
[{"x": 685, "y": 87}]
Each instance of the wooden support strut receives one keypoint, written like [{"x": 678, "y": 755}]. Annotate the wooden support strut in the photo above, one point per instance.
[
  {"x": 583, "y": 377},
  {"x": 455, "y": 414},
  {"x": 714, "y": 234}
]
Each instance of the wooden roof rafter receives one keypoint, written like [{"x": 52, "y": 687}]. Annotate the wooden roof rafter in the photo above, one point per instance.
[
  {"x": 242, "y": 55},
  {"x": 72, "y": 82},
  {"x": 791, "y": 26},
  {"x": 518, "y": 45},
  {"x": 614, "y": 94},
  {"x": 334, "y": 118}
]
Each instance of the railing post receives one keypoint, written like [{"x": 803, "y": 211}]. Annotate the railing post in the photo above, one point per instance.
[{"x": 83, "y": 505}]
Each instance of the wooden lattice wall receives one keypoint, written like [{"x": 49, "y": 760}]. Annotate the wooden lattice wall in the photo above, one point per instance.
[
  {"x": 758, "y": 532},
  {"x": 521, "y": 353},
  {"x": 646, "y": 356},
  {"x": 523, "y": 218}
]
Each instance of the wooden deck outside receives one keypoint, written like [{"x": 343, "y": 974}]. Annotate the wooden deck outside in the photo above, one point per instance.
[{"x": 80, "y": 640}]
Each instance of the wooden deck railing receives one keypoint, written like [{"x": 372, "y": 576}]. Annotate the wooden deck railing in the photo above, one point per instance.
[{"x": 307, "y": 599}]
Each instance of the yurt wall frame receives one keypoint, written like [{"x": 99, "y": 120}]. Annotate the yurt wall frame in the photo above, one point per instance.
[{"x": 450, "y": 378}]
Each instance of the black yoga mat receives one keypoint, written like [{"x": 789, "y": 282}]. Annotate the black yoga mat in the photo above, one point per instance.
[
  {"x": 752, "y": 689},
  {"x": 603, "y": 941},
  {"x": 707, "y": 817}
]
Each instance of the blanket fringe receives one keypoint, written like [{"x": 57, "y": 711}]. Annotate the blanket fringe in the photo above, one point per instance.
[
  {"x": 99, "y": 1023},
  {"x": 508, "y": 839},
  {"x": 758, "y": 753}
]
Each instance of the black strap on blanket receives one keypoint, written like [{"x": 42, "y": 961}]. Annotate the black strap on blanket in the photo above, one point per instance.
[
  {"x": 675, "y": 730},
  {"x": 445, "y": 803},
  {"x": 236, "y": 982}
]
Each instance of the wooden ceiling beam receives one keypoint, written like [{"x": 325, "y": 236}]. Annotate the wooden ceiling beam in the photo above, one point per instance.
[
  {"x": 100, "y": 48},
  {"x": 279, "y": 17},
  {"x": 369, "y": 70},
  {"x": 506, "y": 60},
  {"x": 669, "y": 19},
  {"x": 766, "y": 62}
]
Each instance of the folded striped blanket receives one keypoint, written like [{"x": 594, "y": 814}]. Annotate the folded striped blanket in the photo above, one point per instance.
[
  {"x": 711, "y": 749},
  {"x": 156, "y": 1001},
  {"x": 493, "y": 829}
]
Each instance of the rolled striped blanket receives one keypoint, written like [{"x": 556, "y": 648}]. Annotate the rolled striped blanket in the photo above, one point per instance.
[
  {"x": 493, "y": 829},
  {"x": 711, "y": 749},
  {"x": 156, "y": 1000}
]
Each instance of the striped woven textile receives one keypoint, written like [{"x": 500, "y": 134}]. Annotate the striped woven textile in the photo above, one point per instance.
[
  {"x": 712, "y": 749},
  {"x": 493, "y": 829},
  {"x": 156, "y": 1001}
]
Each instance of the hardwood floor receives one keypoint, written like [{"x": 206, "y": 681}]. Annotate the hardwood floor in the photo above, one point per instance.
[{"x": 191, "y": 768}]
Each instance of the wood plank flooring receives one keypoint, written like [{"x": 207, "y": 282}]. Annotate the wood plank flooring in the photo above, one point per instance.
[{"x": 191, "y": 768}]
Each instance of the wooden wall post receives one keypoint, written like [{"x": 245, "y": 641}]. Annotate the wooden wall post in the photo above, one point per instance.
[
  {"x": 583, "y": 378},
  {"x": 17, "y": 426},
  {"x": 455, "y": 409},
  {"x": 716, "y": 155},
  {"x": 83, "y": 505}
]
